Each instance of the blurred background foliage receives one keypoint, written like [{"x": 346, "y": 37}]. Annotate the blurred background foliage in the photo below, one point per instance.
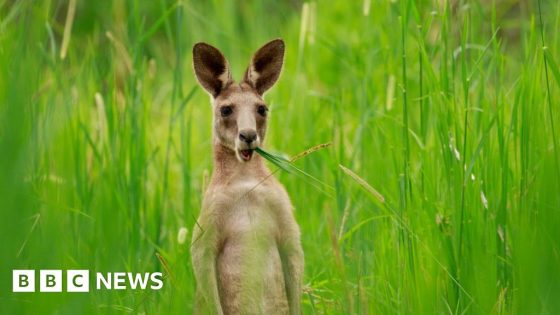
[{"x": 443, "y": 117}]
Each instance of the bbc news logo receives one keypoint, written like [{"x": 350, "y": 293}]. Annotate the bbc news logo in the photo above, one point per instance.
[{"x": 78, "y": 281}]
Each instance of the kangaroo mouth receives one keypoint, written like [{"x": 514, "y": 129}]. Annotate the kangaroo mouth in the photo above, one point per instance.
[{"x": 246, "y": 154}]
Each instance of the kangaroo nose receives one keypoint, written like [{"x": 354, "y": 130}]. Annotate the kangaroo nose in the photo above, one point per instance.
[{"x": 248, "y": 135}]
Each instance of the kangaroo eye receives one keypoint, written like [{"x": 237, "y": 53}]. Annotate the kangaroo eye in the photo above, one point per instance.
[
  {"x": 262, "y": 110},
  {"x": 226, "y": 111}
]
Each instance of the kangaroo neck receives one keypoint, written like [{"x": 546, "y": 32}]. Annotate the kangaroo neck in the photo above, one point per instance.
[{"x": 227, "y": 166}]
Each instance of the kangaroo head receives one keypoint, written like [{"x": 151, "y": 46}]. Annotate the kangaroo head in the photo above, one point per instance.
[{"x": 240, "y": 112}]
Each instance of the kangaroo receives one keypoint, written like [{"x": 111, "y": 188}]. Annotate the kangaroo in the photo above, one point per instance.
[{"x": 246, "y": 251}]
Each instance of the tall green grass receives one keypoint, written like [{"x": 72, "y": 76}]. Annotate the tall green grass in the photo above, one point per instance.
[{"x": 440, "y": 192}]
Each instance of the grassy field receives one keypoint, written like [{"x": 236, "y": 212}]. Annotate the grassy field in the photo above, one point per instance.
[{"x": 444, "y": 165}]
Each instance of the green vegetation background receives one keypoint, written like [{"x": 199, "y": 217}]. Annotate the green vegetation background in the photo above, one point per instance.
[{"x": 447, "y": 109}]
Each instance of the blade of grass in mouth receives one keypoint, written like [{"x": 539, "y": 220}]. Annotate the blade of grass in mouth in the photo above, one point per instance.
[{"x": 288, "y": 166}]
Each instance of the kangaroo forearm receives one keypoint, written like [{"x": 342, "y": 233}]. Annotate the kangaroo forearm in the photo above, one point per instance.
[
  {"x": 208, "y": 287},
  {"x": 204, "y": 265},
  {"x": 293, "y": 272}
]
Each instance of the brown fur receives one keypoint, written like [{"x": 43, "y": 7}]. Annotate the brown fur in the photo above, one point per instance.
[{"x": 246, "y": 250}]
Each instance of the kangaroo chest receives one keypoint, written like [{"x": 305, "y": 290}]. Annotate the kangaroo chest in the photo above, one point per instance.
[{"x": 249, "y": 209}]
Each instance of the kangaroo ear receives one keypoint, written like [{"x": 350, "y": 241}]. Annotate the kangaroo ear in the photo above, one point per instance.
[
  {"x": 211, "y": 68},
  {"x": 265, "y": 66}
]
